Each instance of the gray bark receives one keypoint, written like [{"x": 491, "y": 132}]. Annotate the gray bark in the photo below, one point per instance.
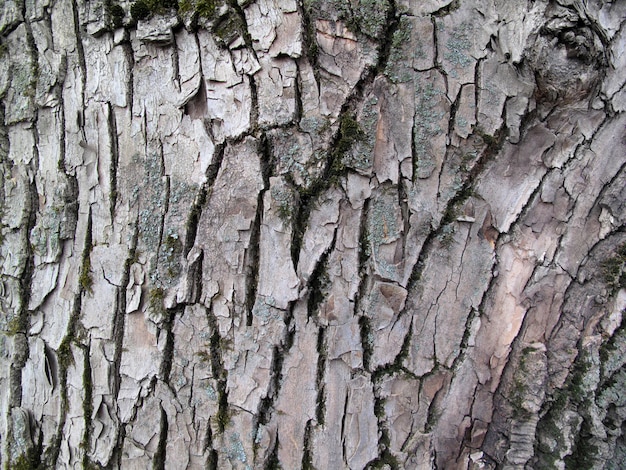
[{"x": 320, "y": 234}]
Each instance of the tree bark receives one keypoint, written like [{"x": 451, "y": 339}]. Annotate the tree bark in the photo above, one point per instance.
[{"x": 320, "y": 234}]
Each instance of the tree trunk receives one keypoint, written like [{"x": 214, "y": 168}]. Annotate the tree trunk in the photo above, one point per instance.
[{"x": 321, "y": 234}]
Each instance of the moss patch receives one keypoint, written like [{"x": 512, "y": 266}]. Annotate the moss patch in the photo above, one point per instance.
[
  {"x": 614, "y": 270},
  {"x": 85, "y": 279},
  {"x": 28, "y": 461},
  {"x": 204, "y": 8},
  {"x": 115, "y": 14},
  {"x": 143, "y": 9}
]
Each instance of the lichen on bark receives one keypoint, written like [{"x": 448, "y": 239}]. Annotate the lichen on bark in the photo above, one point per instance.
[{"x": 318, "y": 234}]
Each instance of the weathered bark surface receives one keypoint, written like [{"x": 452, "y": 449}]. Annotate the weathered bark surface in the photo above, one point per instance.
[{"x": 275, "y": 234}]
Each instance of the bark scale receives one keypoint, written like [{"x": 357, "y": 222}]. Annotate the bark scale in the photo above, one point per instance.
[{"x": 318, "y": 234}]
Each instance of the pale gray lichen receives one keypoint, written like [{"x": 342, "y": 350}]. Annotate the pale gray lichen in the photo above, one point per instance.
[
  {"x": 398, "y": 68},
  {"x": 382, "y": 229},
  {"x": 426, "y": 126},
  {"x": 264, "y": 309},
  {"x": 169, "y": 260},
  {"x": 151, "y": 197},
  {"x": 295, "y": 157},
  {"x": 258, "y": 437},
  {"x": 314, "y": 124},
  {"x": 211, "y": 393},
  {"x": 22, "y": 442},
  {"x": 284, "y": 199},
  {"x": 23, "y": 79},
  {"x": 235, "y": 450},
  {"x": 370, "y": 17},
  {"x": 367, "y": 17},
  {"x": 458, "y": 46}
]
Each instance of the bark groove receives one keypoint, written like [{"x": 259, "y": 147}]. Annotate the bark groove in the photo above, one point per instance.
[{"x": 312, "y": 234}]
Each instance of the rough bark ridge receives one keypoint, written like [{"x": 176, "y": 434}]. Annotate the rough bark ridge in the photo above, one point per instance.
[{"x": 318, "y": 234}]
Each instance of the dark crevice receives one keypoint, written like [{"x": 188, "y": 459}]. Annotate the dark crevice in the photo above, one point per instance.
[
  {"x": 606, "y": 187},
  {"x": 63, "y": 124},
  {"x": 80, "y": 50},
  {"x": 220, "y": 374},
  {"x": 584, "y": 454},
  {"x": 251, "y": 261},
  {"x": 398, "y": 364},
  {"x": 299, "y": 226},
  {"x": 158, "y": 462},
  {"x": 437, "y": 56},
  {"x": 477, "y": 88},
  {"x": 31, "y": 205},
  {"x": 366, "y": 341},
  {"x": 201, "y": 199},
  {"x": 272, "y": 462},
  {"x": 344, "y": 417},
  {"x": 212, "y": 458},
  {"x": 87, "y": 401},
  {"x": 175, "y": 62},
  {"x": 128, "y": 53},
  {"x": 191, "y": 228},
  {"x": 299, "y": 113},
  {"x": 33, "y": 53},
  {"x": 391, "y": 25},
  {"x": 319, "y": 380},
  {"x": 117, "y": 452},
  {"x": 446, "y": 10},
  {"x": 345, "y": 134},
  {"x": 168, "y": 351},
  {"x": 434, "y": 409},
  {"x": 19, "y": 324},
  {"x": 85, "y": 279},
  {"x": 254, "y": 105},
  {"x": 454, "y": 106},
  {"x": 160, "y": 215},
  {"x": 114, "y": 144},
  {"x": 266, "y": 407},
  {"x": 467, "y": 332},
  {"x": 309, "y": 38},
  {"x": 120, "y": 313},
  {"x": 223, "y": 415},
  {"x": 118, "y": 338},
  {"x": 491, "y": 147},
  {"x": 385, "y": 459},
  {"x": 307, "y": 458},
  {"x": 318, "y": 282},
  {"x": 241, "y": 19},
  {"x": 253, "y": 252},
  {"x": 264, "y": 412},
  {"x": 364, "y": 255},
  {"x": 267, "y": 163},
  {"x": 333, "y": 170},
  {"x": 65, "y": 359}
]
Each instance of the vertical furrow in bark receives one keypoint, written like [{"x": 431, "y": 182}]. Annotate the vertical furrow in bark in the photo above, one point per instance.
[
  {"x": 366, "y": 235},
  {"x": 201, "y": 198},
  {"x": 87, "y": 404},
  {"x": 322, "y": 350},
  {"x": 159, "y": 458},
  {"x": 112, "y": 126},
  {"x": 220, "y": 374}
]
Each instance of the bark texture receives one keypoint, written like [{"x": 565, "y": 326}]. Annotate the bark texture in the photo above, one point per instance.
[{"x": 321, "y": 234}]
